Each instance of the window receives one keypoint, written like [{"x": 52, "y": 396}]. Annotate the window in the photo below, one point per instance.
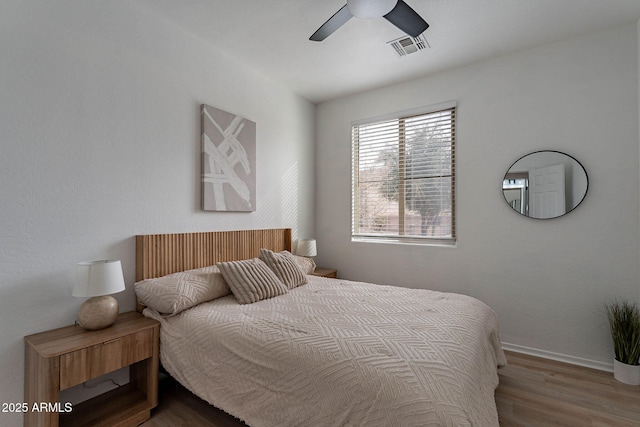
[{"x": 403, "y": 177}]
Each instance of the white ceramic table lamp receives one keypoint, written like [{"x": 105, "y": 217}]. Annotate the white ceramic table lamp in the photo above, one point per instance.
[
  {"x": 98, "y": 280},
  {"x": 307, "y": 247}
]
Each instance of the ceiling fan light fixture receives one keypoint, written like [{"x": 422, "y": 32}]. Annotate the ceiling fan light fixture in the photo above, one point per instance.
[
  {"x": 370, "y": 9},
  {"x": 396, "y": 12}
]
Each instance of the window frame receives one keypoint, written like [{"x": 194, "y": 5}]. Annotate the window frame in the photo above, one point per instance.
[{"x": 355, "y": 152}]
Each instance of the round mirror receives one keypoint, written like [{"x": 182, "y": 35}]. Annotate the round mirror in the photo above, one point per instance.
[{"x": 545, "y": 184}]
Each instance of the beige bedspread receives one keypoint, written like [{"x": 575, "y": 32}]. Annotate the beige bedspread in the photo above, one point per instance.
[{"x": 340, "y": 353}]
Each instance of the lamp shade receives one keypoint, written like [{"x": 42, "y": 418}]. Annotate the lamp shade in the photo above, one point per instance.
[
  {"x": 96, "y": 278},
  {"x": 306, "y": 247}
]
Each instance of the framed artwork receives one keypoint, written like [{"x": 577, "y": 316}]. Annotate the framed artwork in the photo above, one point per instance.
[{"x": 228, "y": 161}]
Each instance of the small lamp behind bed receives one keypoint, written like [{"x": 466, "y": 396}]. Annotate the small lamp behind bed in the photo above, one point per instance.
[
  {"x": 307, "y": 247},
  {"x": 98, "y": 280}
]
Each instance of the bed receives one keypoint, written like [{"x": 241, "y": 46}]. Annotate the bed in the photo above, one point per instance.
[{"x": 328, "y": 352}]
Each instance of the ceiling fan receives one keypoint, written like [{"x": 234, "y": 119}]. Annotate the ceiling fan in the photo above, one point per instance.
[{"x": 397, "y": 12}]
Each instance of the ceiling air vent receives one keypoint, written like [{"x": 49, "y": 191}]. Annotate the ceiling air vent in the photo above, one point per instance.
[{"x": 407, "y": 45}]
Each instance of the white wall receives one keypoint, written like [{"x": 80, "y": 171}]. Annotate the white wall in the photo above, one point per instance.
[
  {"x": 99, "y": 140},
  {"x": 547, "y": 279}
]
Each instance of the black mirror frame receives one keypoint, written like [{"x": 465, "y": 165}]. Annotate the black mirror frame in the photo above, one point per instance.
[{"x": 586, "y": 190}]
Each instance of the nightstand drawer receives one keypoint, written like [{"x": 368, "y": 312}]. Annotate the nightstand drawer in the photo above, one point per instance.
[{"x": 82, "y": 365}]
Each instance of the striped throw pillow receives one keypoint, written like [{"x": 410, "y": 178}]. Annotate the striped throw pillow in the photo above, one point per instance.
[
  {"x": 251, "y": 280},
  {"x": 285, "y": 267}
]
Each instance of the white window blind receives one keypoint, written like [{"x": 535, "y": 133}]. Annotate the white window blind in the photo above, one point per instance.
[{"x": 404, "y": 177}]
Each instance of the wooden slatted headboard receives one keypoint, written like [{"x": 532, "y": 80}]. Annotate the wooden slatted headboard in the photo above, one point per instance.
[{"x": 161, "y": 254}]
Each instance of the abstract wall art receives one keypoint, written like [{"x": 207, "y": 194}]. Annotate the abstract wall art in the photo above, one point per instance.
[{"x": 228, "y": 161}]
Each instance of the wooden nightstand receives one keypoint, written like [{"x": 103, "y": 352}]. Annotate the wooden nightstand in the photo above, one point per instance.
[
  {"x": 325, "y": 272},
  {"x": 62, "y": 358}
]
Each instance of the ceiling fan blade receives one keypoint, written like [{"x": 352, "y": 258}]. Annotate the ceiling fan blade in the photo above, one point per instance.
[
  {"x": 335, "y": 22},
  {"x": 407, "y": 19}
]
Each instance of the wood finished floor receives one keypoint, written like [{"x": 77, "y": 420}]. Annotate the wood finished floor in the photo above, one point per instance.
[
  {"x": 533, "y": 392},
  {"x": 540, "y": 392}
]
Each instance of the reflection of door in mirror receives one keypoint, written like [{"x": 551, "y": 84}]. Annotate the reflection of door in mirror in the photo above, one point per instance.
[
  {"x": 515, "y": 189},
  {"x": 554, "y": 183},
  {"x": 547, "y": 198}
]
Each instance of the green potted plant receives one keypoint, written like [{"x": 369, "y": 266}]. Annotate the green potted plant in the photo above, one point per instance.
[{"x": 624, "y": 323}]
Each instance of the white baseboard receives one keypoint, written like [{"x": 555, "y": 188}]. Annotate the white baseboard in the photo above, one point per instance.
[{"x": 559, "y": 357}]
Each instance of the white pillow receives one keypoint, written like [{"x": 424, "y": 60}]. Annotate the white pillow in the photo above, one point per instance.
[
  {"x": 307, "y": 265},
  {"x": 214, "y": 277},
  {"x": 177, "y": 292}
]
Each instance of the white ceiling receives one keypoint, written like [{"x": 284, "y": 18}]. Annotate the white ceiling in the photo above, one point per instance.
[{"x": 272, "y": 36}]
